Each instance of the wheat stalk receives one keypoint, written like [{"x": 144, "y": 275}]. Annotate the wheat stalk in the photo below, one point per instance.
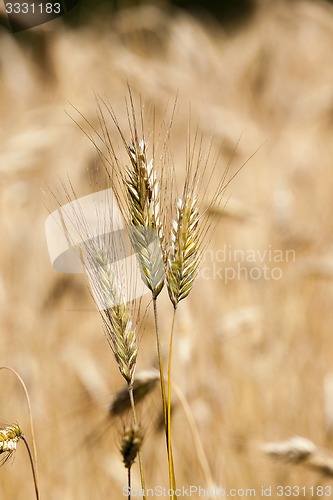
[
  {"x": 147, "y": 235},
  {"x": 108, "y": 273},
  {"x": 187, "y": 233},
  {"x": 148, "y": 242},
  {"x": 118, "y": 320},
  {"x": 168, "y": 251}
]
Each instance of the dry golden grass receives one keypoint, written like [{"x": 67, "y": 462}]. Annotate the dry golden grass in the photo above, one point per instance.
[{"x": 253, "y": 356}]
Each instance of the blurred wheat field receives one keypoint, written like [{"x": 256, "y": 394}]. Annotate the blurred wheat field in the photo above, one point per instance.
[{"x": 252, "y": 356}]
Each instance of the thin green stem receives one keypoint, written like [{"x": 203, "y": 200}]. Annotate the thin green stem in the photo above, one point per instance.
[
  {"x": 167, "y": 420},
  {"x": 171, "y": 466},
  {"x": 160, "y": 363},
  {"x": 143, "y": 483}
]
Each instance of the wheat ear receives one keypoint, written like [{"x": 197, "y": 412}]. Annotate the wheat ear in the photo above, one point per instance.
[
  {"x": 299, "y": 450},
  {"x": 145, "y": 226},
  {"x": 183, "y": 257},
  {"x": 9, "y": 437},
  {"x": 130, "y": 448},
  {"x": 118, "y": 323},
  {"x": 131, "y": 444}
]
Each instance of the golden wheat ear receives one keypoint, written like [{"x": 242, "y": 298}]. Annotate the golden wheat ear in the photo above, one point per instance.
[
  {"x": 145, "y": 227},
  {"x": 183, "y": 257},
  {"x": 136, "y": 185},
  {"x": 9, "y": 437},
  {"x": 115, "y": 310}
]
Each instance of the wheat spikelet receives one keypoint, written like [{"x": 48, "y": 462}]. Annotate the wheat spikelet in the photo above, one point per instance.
[
  {"x": 103, "y": 277},
  {"x": 292, "y": 450},
  {"x": 118, "y": 322},
  {"x": 137, "y": 189},
  {"x": 9, "y": 437},
  {"x": 143, "y": 204},
  {"x": 131, "y": 444},
  {"x": 183, "y": 257},
  {"x": 122, "y": 334},
  {"x": 101, "y": 246}
]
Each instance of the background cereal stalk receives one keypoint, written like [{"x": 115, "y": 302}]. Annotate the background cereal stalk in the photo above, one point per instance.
[{"x": 299, "y": 450}]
